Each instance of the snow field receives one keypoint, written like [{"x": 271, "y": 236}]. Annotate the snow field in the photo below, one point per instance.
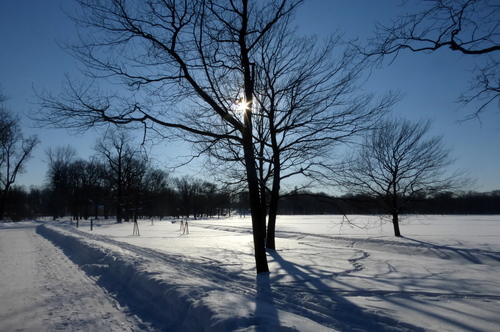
[
  {"x": 326, "y": 274},
  {"x": 171, "y": 298}
]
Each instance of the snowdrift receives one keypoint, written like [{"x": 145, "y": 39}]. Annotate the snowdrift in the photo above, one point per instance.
[{"x": 169, "y": 296}]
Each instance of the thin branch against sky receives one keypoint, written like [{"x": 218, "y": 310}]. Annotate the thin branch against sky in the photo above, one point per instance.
[{"x": 431, "y": 83}]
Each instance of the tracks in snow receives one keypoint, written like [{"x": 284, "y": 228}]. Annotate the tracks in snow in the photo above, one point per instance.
[
  {"x": 403, "y": 245},
  {"x": 42, "y": 290},
  {"x": 333, "y": 307}
]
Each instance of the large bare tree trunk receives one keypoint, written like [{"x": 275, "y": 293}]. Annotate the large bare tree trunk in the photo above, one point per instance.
[
  {"x": 257, "y": 211},
  {"x": 3, "y": 199},
  {"x": 273, "y": 204},
  {"x": 275, "y": 190},
  {"x": 395, "y": 223},
  {"x": 271, "y": 223}
]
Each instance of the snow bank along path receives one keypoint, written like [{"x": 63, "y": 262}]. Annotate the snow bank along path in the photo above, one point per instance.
[
  {"x": 174, "y": 296},
  {"x": 42, "y": 290}
]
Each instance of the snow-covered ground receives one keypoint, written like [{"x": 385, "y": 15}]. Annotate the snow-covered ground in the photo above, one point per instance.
[
  {"x": 42, "y": 290},
  {"x": 326, "y": 274}
]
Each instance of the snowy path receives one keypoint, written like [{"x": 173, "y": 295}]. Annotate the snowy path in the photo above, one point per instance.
[{"x": 42, "y": 290}]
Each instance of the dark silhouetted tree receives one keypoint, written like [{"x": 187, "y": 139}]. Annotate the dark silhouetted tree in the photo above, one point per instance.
[
  {"x": 185, "y": 63},
  {"x": 86, "y": 187},
  {"x": 397, "y": 163},
  {"x": 470, "y": 27},
  {"x": 188, "y": 189},
  {"x": 307, "y": 101},
  {"x": 158, "y": 195},
  {"x": 15, "y": 150},
  {"x": 59, "y": 178},
  {"x": 124, "y": 171}
]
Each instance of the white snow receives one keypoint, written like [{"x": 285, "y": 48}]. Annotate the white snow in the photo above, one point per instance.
[
  {"x": 326, "y": 274},
  {"x": 42, "y": 290}
]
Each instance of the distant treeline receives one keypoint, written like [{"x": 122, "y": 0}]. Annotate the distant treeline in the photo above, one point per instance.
[
  {"x": 444, "y": 203},
  {"x": 193, "y": 198},
  {"x": 196, "y": 199}
]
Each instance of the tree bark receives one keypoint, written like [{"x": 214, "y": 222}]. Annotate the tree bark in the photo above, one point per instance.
[
  {"x": 273, "y": 203},
  {"x": 258, "y": 213},
  {"x": 275, "y": 190},
  {"x": 395, "y": 223},
  {"x": 2, "y": 202},
  {"x": 271, "y": 223}
]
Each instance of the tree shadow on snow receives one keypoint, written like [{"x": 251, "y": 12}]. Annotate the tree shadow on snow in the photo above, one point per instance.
[
  {"x": 336, "y": 311},
  {"x": 265, "y": 308},
  {"x": 475, "y": 256},
  {"x": 329, "y": 305}
]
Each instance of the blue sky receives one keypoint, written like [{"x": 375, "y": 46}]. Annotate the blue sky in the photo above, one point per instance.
[{"x": 30, "y": 57}]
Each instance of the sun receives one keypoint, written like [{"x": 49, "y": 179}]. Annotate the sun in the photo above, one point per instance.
[{"x": 242, "y": 105}]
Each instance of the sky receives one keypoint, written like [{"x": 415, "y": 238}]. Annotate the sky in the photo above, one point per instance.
[{"x": 31, "y": 59}]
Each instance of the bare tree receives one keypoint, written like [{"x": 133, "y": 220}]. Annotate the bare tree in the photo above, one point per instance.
[
  {"x": 471, "y": 27},
  {"x": 306, "y": 103},
  {"x": 188, "y": 189},
  {"x": 59, "y": 178},
  {"x": 397, "y": 163},
  {"x": 197, "y": 197},
  {"x": 309, "y": 102},
  {"x": 85, "y": 180},
  {"x": 185, "y": 64},
  {"x": 124, "y": 171},
  {"x": 15, "y": 150},
  {"x": 7, "y": 121},
  {"x": 77, "y": 178},
  {"x": 159, "y": 200}
]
